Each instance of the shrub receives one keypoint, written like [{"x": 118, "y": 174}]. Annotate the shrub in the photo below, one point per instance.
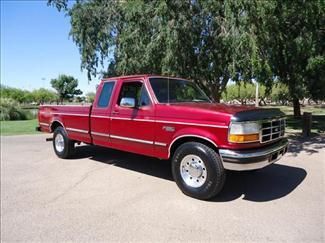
[{"x": 10, "y": 110}]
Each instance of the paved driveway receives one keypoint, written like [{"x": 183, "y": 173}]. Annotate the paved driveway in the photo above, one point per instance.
[{"x": 106, "y": 195}]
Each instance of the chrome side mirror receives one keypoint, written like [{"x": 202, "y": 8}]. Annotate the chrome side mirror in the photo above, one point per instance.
[{"x": 127, "y": 102}]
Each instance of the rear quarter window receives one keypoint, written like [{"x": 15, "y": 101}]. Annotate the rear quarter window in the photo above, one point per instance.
[{"x": 105, "y": 94}]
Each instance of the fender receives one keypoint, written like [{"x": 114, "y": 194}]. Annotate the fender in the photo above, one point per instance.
[
  {"x": 55, "y": 120},
  {"x": 196, "y": 132}
]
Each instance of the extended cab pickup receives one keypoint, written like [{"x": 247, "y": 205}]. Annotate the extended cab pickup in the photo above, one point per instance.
[{"x": 171, "y": 118}]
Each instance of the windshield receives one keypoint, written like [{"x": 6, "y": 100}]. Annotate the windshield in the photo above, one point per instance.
[{"x": 177, "y": 90}]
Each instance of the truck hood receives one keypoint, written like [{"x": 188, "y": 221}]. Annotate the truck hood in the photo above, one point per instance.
[
  {"x": 236, "y": 112},
  {"x": 214, "y": 107}
]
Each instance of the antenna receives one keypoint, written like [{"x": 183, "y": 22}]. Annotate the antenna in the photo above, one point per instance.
[{"x": 256, "y": 95}]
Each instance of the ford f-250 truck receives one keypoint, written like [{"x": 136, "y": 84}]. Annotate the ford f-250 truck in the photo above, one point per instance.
[{"x": 171, "y": 118}]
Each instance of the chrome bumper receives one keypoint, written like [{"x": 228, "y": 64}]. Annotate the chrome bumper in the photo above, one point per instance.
[{"x": 254, "y": 158}]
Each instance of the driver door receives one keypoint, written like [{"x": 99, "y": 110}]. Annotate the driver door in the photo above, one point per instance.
[{"x": 132, "y": 128}]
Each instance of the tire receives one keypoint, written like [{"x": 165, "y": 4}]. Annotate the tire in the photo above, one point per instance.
[
  {"x": 63, "y": 146},
  {"x": 198, "y": 170}
]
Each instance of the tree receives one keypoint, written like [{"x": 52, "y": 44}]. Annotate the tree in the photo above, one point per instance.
[
  {"x": 66, "y": 87},
  {"x": 210, "y": 42},
  {"x": 19, "y": 95},
  {"x": 290, "y": 39},
  {"x": 90, "y": 97},
  {"x": 315, "y": 75},
  {"x": 243, "y": 92},
  {"x": 206, "y": 41},
  {"x": 42, "y": 96},
  {"x": 24, "y": 96},
  {"x": 280, "y": 94}
]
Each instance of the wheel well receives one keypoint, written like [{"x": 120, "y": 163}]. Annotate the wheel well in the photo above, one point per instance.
[
  {"x": 55, "y": 125},
  {"x": 183, "y": 140}
]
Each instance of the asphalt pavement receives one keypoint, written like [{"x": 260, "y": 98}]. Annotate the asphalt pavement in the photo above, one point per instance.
[{"x": 107, "y": 195}]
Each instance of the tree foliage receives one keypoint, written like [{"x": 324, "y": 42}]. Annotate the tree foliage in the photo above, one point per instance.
[
  {"x": 90, "y": 97},
  {"x": 245, "y": 92},
  {"x": 38, "y": 96},
  {"x": 210, "y": 42},
  {"x": 292, "y": 35},
  {"x": 41, "y": 96},
  {"x": 280, "y": 94},
  {"x": 15, "y": 94},
  {"x": 242, "y": 92},
  {"x": 207, "y": 41},
  {"x": 66, "y": 87},
  {"x": 315, "y": 76}
]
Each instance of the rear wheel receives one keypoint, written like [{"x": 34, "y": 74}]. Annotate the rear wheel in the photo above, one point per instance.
[
  {"x": 63, "y": 146},
  {"x": 198, "y": 170}
]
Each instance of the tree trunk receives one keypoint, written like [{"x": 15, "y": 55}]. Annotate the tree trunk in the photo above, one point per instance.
[
  {"x": 296, "y": 107},
  {"x": 216, "y": 98},
  {"x": 215, "y": 93},
  {"x": 262, "y": 101}
]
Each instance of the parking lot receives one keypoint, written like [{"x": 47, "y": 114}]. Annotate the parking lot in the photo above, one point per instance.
[{"x": 106, "y": 195}]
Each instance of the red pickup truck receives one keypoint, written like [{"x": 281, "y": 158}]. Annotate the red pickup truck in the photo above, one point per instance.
[{"x": 171, "y": 118}]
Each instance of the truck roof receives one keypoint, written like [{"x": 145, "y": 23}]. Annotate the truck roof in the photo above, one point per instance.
[{"x": 140, "y": 76}]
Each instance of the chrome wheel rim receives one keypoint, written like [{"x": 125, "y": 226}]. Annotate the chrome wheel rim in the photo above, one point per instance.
[
  {"x": 193, "y": 170},
  {"x": 59, "y": 143}
]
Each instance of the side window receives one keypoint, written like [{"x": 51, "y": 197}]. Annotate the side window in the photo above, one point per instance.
[
  {"x": 135, "y": 90},
  {"x": 144, "y": 97},
  {"x": 105, "y": 95}
]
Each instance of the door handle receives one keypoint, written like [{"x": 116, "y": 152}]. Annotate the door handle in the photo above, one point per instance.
[{"x": 115, "y": 112}]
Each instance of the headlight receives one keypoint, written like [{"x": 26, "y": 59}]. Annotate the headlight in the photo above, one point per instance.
[{"x": 244, "y": 132}]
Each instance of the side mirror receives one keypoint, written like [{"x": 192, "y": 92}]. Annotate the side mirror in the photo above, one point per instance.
[{"x": 127, "y": 102}]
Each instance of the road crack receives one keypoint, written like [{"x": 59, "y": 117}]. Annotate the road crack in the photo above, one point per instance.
[{"x": 69, "y": 189}]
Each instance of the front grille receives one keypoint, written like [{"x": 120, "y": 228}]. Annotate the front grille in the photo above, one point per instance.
[{"x": 272, "y": 130}]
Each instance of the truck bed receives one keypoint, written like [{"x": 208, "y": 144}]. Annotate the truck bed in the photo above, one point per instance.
[{"x": 75, "y": 119}]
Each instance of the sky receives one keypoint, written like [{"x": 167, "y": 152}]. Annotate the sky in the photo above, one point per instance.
[{"x": 36, "y": 47}]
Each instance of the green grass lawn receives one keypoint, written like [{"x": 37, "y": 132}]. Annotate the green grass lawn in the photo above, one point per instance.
[
  {"x": 18, "y": 127},
  {"x": 295, "y": 124}
]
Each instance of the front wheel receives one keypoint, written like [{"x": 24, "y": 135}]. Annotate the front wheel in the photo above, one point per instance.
[
  {"x": 198, "y": 170},
  {"x": 63, "y": 146}
]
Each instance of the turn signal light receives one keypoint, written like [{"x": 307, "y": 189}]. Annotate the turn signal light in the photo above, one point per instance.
[{"x": 243, "y": 138}]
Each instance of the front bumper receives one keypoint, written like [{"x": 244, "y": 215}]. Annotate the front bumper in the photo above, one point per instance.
[{"x": 253, "y": 159}]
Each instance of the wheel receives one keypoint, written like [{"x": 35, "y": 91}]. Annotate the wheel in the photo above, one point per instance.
[
  {"x": 63, "y": 146},
  {"x": 198, "y": 171}
]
